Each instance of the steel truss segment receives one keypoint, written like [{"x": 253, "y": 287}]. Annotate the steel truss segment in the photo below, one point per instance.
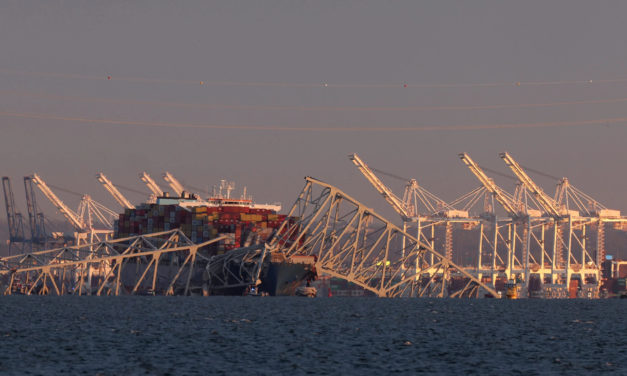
[
  {"x": 102, "y": 265},
  {"x": 235, "y": 269},
  {"x": 353, "y": 242}
]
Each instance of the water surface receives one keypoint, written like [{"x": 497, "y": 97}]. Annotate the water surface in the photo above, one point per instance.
[{"x": 246, "y": 335}]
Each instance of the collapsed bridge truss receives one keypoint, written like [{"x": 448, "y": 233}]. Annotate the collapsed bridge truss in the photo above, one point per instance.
[
  {"x": 158, "y": 263},
  {"x": 349, "y": 241},
  {"x": 352, "y": 242}
]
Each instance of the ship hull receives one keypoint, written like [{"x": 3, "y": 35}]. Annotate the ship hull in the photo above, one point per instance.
[
  {"x": 282, "y": 278},
  {"x": 277, "y": 279}
]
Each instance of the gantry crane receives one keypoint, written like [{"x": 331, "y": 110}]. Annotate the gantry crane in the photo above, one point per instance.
[
  {"x": 506, "y": 201},
  {"x": 150, "y": 183},
  {"x": 546, "y": 202},
  {"x": 497, "y": 192},
  {"x": 553, "y": 210},
  {"x": 69, "y": 215},
  {"x": 437, "y": 211},
  {"x": 35, "y": 217},
  {"x": 14, "y": 218},
  {"x": 177, "y": 187},
  {"x": 397, "y": 204},
  {"x": 106, "y": 183},
  {"x": 89, "y": 211},
  {"x": 517, "y": 209},
  {"x": 567, "y": 196}
]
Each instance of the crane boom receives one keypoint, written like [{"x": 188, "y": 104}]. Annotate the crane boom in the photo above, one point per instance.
[
  {"x": 106, "y": 183},
  {"x": 150, "y": 183},
  {"x": 177, "y": 187},
  {"x": 489, "y": 184},
  {"x": 67, "y": 212},
  {"x": 390, "y": 197},
  {"x": 545, "y": 201}
]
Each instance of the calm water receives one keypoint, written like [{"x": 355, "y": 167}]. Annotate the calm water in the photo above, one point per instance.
[{"x": 237, "y": 335}]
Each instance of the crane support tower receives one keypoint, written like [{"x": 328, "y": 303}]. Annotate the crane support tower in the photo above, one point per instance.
[
  {"x": 35, "y": 217},
  {"x": 106, "y": 183},
  {"x": 14, "y": 218}
]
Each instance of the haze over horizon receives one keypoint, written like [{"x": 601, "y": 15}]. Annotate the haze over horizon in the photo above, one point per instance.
[{"x": 265, "y": 93}]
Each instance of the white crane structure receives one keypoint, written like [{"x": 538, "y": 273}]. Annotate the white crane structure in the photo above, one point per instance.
[
  {"x": 69, "y": 215},
  {"x": 152, "y": 186},
  {"x": 176, "y": 186},
  {"x": 516, "y": 259},
  {"x": 106, "y": 183},
  {"x": 89, "y": 213},
  {"x": 420, "y": 207},
  {"x": 399, "y": 206},
  {"x": 496, "y": 193},
  {"x": 542, "y": 198},
  {"x": 552, "y": 210},
  {"x": 574, "y": 263},
  {"x": 569, "y": 197}
]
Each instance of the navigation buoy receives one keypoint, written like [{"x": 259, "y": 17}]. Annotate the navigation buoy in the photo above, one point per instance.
[
  {"x": 201, "y": 82},
  {"x": 404, "y": 85},
  {"x": 108, "y": 77}
]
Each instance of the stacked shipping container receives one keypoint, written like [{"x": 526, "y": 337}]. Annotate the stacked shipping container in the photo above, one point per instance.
[{"x": 243, "y": 225}]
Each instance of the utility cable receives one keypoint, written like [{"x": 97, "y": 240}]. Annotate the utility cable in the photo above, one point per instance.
[
  {"x": 430, "y": 128},
  {"x": 245, "y": 107},
  {"x": 112, "y": 77}
]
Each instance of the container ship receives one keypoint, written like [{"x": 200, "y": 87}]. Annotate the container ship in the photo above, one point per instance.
[{"x": 245, "y": 226}]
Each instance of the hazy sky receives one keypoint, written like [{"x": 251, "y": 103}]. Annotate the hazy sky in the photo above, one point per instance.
[{"x": 290, "y": 88}]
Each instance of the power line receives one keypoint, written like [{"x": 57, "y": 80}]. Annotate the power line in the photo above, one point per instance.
[
  {"x": 314, "y": 108},
  {"x": 429, "y": 128},
  {"x": 202, "y": 82}
]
